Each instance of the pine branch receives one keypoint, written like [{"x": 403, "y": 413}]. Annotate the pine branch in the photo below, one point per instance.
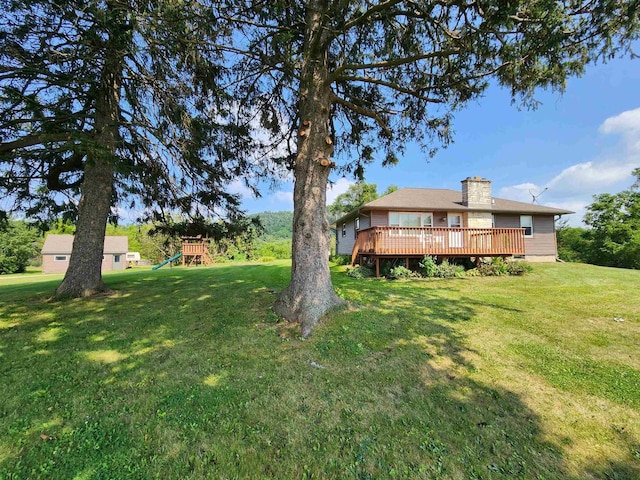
[
  {"x": 414, "y": 92},
  {"x": 363, "y": 111},
  {"x": 395, "y": 62}
]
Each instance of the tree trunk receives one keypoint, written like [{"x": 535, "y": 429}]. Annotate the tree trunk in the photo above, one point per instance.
[
  {"x": 84, "y": 275},
  {"x": 310, "y": 295}
]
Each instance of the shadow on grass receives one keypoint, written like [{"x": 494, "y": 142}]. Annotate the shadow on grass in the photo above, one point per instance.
[{"x": 182, "y": 374}]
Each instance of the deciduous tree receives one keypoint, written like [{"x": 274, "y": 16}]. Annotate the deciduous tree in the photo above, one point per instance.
[
  {"x": 356, "y": 195},
  {"x": 17, "y": 246},
  {"x": 615, "y": 223}
]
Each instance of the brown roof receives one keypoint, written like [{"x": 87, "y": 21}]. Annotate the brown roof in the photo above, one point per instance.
[
  {"x": 61, "y": 244},
  {"x": 425, "y": 199}
]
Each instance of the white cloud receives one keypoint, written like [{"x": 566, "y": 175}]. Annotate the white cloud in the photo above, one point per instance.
[
  {"x": 240, "y": 188},
  {"x": 521, "y": 193},
  {"x": 627, "y": 123},
  {"x": 573, "y": 188},
  {"x": 593, "y": 176},
  {"x": 284, "y": 197},
  {"x": 339, "y": 187}
]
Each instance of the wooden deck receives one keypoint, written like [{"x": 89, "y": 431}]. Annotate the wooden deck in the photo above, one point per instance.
[{"x": 443, "y": 242}]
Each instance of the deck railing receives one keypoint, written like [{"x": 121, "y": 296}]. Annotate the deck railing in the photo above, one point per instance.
[
  {"x": 194, "y": 248},
  {"x": 414, "y": 241}
]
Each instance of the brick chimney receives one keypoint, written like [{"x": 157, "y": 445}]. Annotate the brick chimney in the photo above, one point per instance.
[{"x": 476, "y": 192}]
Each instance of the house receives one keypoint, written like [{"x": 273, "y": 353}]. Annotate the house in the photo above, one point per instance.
[
  {"x": 56, "y": 253},
  {"x": 413, "y": 222}
]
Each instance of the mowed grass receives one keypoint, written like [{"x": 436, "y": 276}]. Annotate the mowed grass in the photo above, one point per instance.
[{"x": 186, "y": 373}]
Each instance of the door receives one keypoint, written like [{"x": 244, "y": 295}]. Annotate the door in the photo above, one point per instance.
[{"x": 454, "y": 220}]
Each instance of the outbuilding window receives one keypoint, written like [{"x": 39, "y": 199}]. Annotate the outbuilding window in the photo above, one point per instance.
[{"x": 344, "y": 229}]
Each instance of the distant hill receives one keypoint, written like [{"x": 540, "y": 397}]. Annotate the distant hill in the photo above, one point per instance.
[{"x": 277, "y": 225}]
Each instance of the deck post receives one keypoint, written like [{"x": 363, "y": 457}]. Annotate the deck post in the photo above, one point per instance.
[
  {"x": 377, "y": 267},
  {"x": 406, "y": 263}
]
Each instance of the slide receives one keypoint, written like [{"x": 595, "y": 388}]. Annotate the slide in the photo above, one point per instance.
[{"x": 175, "y": 257}]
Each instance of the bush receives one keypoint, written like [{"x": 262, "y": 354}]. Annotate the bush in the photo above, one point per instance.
[
  {"x": 428, "y": 266},
  {"x": 400, "y": 272},
  {"x": 494, "y": 267},
  {"x": 449, "y": 270},
  {"x": 359, "y": 272},
  {"x": 341, "y": 259},
  {"x": 518, "y": 268},
  {"x": 498, "y": 266}
]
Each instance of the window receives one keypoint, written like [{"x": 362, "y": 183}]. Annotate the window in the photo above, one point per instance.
[
  {"x": 357, "y": 223},
  {"x": 406, "y": 219},
  {"x": 116, "y": 258},
  {"x": 344, "y": 229},
  {"x": 60, "y": 258},
  {"x": 455, "y": 220},
  {"x": 526, "y": 222}
]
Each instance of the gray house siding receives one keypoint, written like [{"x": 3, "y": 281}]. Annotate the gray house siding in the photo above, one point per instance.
[
  {"x": 379, "y": 219},
  {"x": 542, "y": 246},
  {"x": 344, "y": 244}
]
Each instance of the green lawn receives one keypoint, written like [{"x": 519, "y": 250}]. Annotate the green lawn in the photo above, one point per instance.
[{"x": 186, "y": 373}]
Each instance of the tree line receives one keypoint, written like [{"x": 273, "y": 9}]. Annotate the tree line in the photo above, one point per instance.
[
  {"x": 613, "y": 236},
  {"x": 267, "y": 239},
  {"x": 158, "y": 106}
]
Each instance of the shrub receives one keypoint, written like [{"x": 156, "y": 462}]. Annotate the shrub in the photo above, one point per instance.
[
  {"x": 494, "y": 267},
  {"x": 359, "y": 272},
  {"x": 400, "y": 272},
  {"x": 428, "y": 266},
  {"x": 498, "y": 266},
  {"x": 518, "y": 268},
  {"x": 341, "y": 259},
  {"x": 277, "y": 250},
  {"x": 472, "y": 272},
  {"x": 449, "y": 270}
]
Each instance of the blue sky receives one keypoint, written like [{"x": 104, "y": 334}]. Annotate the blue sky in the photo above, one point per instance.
[{"x": 577, "y": 144}]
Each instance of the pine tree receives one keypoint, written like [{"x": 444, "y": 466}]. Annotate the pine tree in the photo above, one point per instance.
[
  {"x": 354, "y": 80},
  {"x": 115, "y": 104}
]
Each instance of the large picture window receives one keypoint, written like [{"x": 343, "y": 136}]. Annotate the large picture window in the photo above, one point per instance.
[
  {"x": 410, "y": 219},
  {"x": 526, "y": 223}
]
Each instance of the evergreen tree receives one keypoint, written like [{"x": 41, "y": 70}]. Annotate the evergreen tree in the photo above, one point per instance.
[
  {"x": 114, "y": 103},
  {"x": 354, "y": 81}
]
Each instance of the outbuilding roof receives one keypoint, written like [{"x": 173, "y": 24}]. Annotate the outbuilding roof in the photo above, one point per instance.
[
  {"x": 62, "y": 244},
  {"x": 425, "y": 199}
]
